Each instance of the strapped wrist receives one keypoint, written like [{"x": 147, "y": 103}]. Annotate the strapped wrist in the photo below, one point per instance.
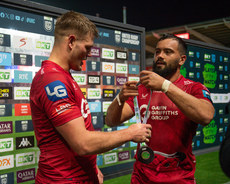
[
  {"x": 118, "y": 99},
  {"x": 165, "y": 86}
]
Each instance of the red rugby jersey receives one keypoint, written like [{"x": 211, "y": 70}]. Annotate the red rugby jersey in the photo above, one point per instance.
[
  {"x": 172, "y": 131},
  {"x": 56, "y": 99}
]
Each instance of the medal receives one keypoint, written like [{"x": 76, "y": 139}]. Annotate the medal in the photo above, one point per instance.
[{"x": 145, "y": 154}]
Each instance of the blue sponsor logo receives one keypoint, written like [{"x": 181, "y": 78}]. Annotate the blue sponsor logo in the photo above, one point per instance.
[
  {"x": 5, "y": 59},
  {"x": 22, "y": 76},
  {"x": 94, "y": 106},
  {"x": 56, "y": 91},
  {"x": 206, "y": 94},
  {"x": 99, "y": 160},
  {"x": 134, "y": 69}
]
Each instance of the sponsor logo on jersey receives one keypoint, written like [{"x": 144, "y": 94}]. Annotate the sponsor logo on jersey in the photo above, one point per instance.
[
  {"x": 85, "y": 111},
  {"x": 62, "y": 107},
  {"x": 206, "y": 94},
  {"x": 56, "y": 91}
]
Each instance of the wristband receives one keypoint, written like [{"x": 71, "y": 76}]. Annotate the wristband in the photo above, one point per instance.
[
  {"x": 165, "y": 86},
  {"x": 118, "y": 100}
]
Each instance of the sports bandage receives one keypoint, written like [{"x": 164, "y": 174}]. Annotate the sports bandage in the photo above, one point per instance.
[
  {"x": 118, "y": 100},
  {"x": 165, "y": 86}
]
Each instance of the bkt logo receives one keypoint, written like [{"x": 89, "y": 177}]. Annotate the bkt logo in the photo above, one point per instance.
[{"x": 56, "y": 90}]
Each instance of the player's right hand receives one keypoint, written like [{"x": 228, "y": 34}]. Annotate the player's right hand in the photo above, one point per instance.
[
  {"x": 140, "y": 132},
  {"x": 129, "y": 89}
]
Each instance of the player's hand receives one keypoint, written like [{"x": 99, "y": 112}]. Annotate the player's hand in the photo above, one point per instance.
[
  {"x": 151, "y": 80},
  {"x": 129, "y": 89},
  {"x": 140, "y": 132}
]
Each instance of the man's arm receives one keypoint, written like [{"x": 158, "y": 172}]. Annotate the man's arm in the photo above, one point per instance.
[
  {"x": 198, "y": 110},
  {"x": 116, "y": 114},
  {"x": 85, "y": 142}
]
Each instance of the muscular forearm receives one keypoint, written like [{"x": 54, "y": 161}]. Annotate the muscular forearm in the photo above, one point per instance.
[{"x": 198, "y": 110}]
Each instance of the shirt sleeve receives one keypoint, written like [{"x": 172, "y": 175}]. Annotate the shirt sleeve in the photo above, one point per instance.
[
  {"x": 58, "y": 99},
  {"x": 200, "y": 91}
]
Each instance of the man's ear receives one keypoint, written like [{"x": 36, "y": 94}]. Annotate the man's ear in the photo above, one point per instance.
[
  {"x": 71, "y": 40},
  {"x": 182, "y": 59}
]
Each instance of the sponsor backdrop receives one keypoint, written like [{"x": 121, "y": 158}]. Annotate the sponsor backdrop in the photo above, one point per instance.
[
  {"x": 26, "y": 39},
  {"x": 210, "y": 66}
]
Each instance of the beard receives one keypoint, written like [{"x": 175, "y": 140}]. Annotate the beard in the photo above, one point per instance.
[{"x": 168, "y": 70}]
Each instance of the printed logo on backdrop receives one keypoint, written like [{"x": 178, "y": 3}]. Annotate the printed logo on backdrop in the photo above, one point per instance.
[
  {"x": 105, "y": 105},
  {"x": 134, "y": 78},
  {"x": 22, "y": 76},
  {"x": 48, "y": 23},
  {"x": 7, "y": 178},
  {"x": 83, "y": 90},
  {"x": 79, "y": 78},
  {"x": 94, "y": 79},
  {"x": 127, "y": 38},
  {"x": 121, "y": 55},
  {"x": 108, "y": 93},
  {"x": 6, "y": 127},
  {"x": 121, "y": 68},
  {"x": 24, "y": 126},
  {"x": 5, "y": 76},
  {"x": 21, "y": 93},
  {"x": 6, "y": 144},
  {"x": 94, "y": 93},
  {"x": 95, "y": 52},
  {"x": 4, "y": 40},
  {"x": 108, "y": 67},
  {"x": 23, "y": 59},
  {"x": 93, "y": 66},
  {"x": 121, "y": 80},
  {"x": 97, "y": 120},
  {"x": 25, "y": 175},
  {"x": 5, "y": 92},
  {"x": 124, "y": 155},
  {"x": 22, "y": 109},
  {"x": 5, "y": 110},
  {"x": 39, "y": 59},
  {"x": 207, "y": 57},
  {"x": 134, "y": 69},
  {"x": 6, "y": 162},
  {"x": 108, "y": 80},
  {"x": 25, "y": 159},
  {"x": 43, "y": 45},
  {"x": 24, "y": 142},
  {"x": 110, "y": 158},
  {"x": 22, "y": 42},
  {"x": 5, "y": 59},
  {"x": 56, "y": 90},
  {"x": 99, "y": 160},
  {"x": 108, "y": 53},
  {"x": 134, "y": 56},
  {"x": 95, "y": 106}
]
